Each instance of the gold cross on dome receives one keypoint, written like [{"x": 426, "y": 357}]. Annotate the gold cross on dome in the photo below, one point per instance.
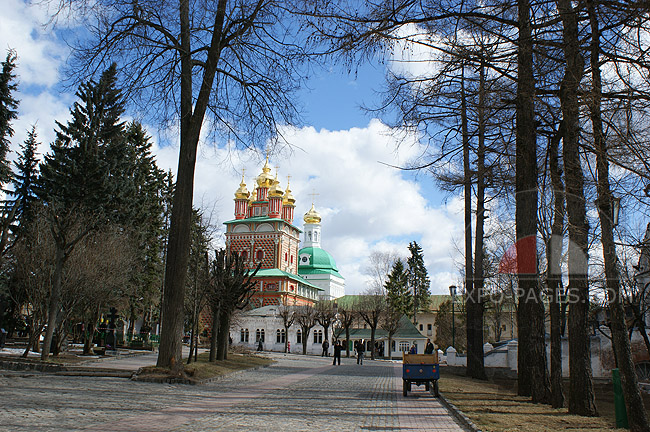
[{"x": 313, "y": 196}]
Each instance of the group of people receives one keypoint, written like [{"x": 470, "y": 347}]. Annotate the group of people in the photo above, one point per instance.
[{"x": 360, "y": 349}]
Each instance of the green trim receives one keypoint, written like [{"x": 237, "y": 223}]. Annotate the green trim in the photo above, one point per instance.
[
  {"x": 275, "y": 272},
  {"x": 308, "y": 271}
]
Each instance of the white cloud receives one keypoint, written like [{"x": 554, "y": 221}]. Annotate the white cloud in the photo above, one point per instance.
[{"x": 364, "y": 204}]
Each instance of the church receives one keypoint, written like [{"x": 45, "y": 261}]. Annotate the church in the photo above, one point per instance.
[{"x": 263, "y": 231}]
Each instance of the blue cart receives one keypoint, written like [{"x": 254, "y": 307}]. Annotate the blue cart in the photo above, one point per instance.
[{"x": 420, "y": 369}]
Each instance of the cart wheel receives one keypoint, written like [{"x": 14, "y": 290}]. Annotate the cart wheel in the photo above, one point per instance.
[
  {"x": 405, "y": 388},
  {"x": 434, "y": 389},
  {"x": 409, "y": 386}
]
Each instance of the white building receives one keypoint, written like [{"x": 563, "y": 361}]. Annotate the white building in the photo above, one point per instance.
[{"x": 315, "y": 264}]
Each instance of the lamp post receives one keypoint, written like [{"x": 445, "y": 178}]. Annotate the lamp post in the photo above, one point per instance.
[
  {"x": 616, "y": 208},
  {"x": 452, "y": 293}
]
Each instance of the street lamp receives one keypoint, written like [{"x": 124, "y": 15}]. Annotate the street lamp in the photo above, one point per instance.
[
  {"x": 452, "y": 293},
  {"x": 616, "y": 208}
]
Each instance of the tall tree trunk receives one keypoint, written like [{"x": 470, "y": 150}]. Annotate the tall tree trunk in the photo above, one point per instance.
[
  {"x": 581, "y": 393},
  {"x": 347, "y": 341},
  {"x": 372, "y": 342},
  {"x": 170, "y": 349},
  {"x": 637, "y": 416},
  {"x": 222, "y": 342},
  {"x": 55, "y": 300},
  {"x": 467, "y": 191},
  {"x": 214, "y": 334},
  {"x": 90, "y": 331},
  {"x": 554, "y": 271},
  {"x": 532, "y": 374},
  {"x": 475, "y": 360}
]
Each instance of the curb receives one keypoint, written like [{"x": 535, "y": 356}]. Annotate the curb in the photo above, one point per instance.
[{"x": 458, "y": 414}]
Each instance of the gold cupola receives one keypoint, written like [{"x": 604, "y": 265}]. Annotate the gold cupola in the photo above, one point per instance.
[
  {"x": 276, "y": 189},
  {"x": 242, "y": 192},
  {"x": 265, "y": 180},
  {"x": 288, "y": 198},
  {"x": 312, "y": 216}
]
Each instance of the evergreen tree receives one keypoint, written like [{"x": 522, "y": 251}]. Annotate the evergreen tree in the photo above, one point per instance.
[
  {"x": 398, "y": 295},
  {"x": 24, "y": 181},
  {"x": 80, "y": 180},
  {"x": 82, "y": 171},
  {"x": 418, "y": 277},
  {"x": 8, "y": 106}
]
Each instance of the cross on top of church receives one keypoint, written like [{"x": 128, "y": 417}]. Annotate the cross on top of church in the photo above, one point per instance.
[{"x": 313, "y": 196}]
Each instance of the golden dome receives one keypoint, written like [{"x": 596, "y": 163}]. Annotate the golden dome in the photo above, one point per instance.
[
  {"x": 242, "y": 192},
  {"x": 276, "y": 189},
  {"x": 312, "y": 216},
  {"x": 253, "y": 196},
  {"x": 265, "y": 179},
  {"x": 288, "y": 198}
]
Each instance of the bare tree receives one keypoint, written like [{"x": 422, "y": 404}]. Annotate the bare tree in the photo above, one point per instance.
[
  {"x": 390, "y": 322},
  {"x": 287, "y": 314},
  {"x": 371, "y": 308},
  {"x": 347, "y": 315},
  {"x": 181, "y": 60},
  {"x": 325, "y": 315},
  {"x": 306, "y": 319},
  {"x": 379, "y": 266}
]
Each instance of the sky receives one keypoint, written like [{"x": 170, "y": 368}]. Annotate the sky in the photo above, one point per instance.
[{"x": 341, "y": 156}]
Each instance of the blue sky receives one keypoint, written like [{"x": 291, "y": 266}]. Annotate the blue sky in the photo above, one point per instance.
[{"x": 365, "y": 205}]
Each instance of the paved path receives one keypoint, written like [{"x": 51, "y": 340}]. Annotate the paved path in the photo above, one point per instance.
[{"x": 295, "y": 394}]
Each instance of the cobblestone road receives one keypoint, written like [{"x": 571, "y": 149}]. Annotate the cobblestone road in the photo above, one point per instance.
[{"x": 295, "y": 394}]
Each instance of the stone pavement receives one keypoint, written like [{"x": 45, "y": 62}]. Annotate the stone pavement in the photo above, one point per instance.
[{"x": 298, "y": 393}]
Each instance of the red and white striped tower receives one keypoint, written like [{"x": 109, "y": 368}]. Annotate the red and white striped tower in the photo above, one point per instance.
[
  {"x": 275, "y": 198},
  {"x": 288, "y": 205},
  {"x": 241, "y": 200}
]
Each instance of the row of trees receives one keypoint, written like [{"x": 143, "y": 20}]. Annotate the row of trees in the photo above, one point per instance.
[
  {"x": 553, "y": 92},
  {"x": 509, "y": 85},
  {"x": 84, "y": 229}
]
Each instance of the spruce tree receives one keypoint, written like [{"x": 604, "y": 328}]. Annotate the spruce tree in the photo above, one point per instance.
[
  {"x": 80, "y": 182},
  {"x": 398, "y": 295},
  {"x": 418, "y": 277},
  {"x": 8, "y": 112},
  {"x": 24, "y": 181}
]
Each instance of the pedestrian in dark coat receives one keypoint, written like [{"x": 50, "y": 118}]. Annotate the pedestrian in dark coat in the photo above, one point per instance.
[
  {"x": 337, "y": 352},
  {"x": 326, "y": 346},
  {"x": 360, "y": 351},
  {"x": 429, "y": 348}
]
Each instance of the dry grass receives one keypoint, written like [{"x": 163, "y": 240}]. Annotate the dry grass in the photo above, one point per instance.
[
  {"x": 203, "y": 369},
  {"x": 496, "y": 407}
]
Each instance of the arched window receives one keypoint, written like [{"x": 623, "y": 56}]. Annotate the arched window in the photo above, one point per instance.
[
  {"x": 280, "y": 336},
  {"x": 318, "y": 336},
  {"x": 259, "y": 255},
  {"x": 246, "y": 335},
  {"x": 299, "y": 336},
  {"x": 242, "y": 336},
  {"x": 262, "y": 334},
  {"x": 286, "y": 256},
  {"x": 244, "y": 255}
]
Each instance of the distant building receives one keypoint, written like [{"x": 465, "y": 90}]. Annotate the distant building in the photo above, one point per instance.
[{"x": 263, "y": 231}]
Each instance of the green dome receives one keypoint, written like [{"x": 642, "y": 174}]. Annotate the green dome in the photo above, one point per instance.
[{"x": 319, "y": 261}]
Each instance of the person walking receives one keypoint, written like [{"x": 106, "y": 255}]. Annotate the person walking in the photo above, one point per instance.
[
  {"x": 326, "y": 346},
  {"x": 360, "y": 350},
  {"x": 337, "y": 352},
  {"x": 429, "y": 347}
]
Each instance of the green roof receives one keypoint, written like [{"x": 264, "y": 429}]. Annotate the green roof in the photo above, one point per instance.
[
  {"x": 406, "y": 330},
  {"x": 320, "y": 262},
  {"x": 275, "y": 272},
  {"x": 260, "y": 219}
]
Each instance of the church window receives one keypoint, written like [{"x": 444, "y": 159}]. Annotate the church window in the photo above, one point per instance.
[
  {"x": 291, "y": 259},
  {"x": 299, "y": 336},
  {"x": 286, "y": 256},
  {"x": 257, "y": 211},
  {"x": 304, "y": 259},
  {"x": 421, "y": 327},
  {"x": 244, "y": 255},
  {"x": 259, "y": 335},
  {"x": 309, "y": 234},
  {"x": 259, "y": 255},
  {"x": 315, "y": 236},
  {"x": 242, "y": 334},
  {"x": 318, "y": 336},
  {"x": 404, "y": 346},
  {"x": 280, "y": 336}
]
